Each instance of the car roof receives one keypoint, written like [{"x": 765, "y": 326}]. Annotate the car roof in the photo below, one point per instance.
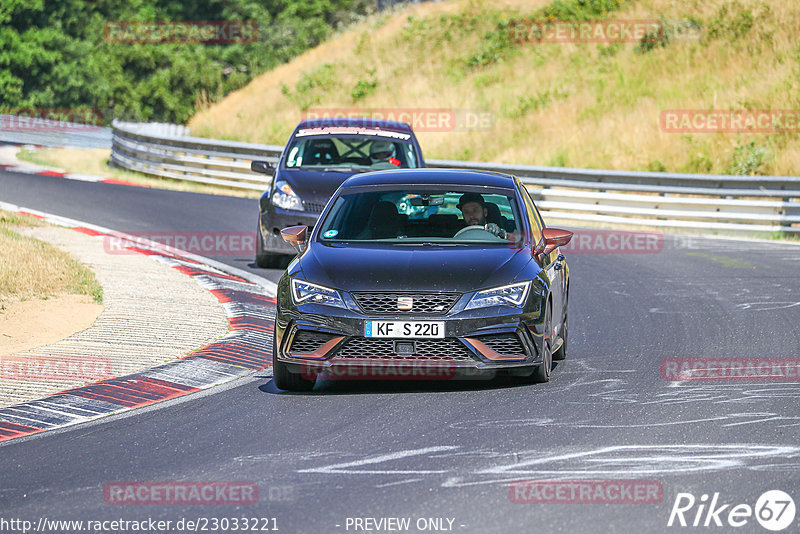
[
  {"x": 428, "y": 176},
  {"x": 355, "y": 122}
]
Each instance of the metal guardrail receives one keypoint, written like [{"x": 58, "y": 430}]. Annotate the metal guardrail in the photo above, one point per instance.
[
  {"x": 154, "y": 150},
  {"x": 656, "y": 199},
  {"x": 52, "y": 133}
]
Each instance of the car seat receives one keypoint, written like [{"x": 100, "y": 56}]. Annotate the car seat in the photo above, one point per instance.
[
  {"x": 493, "y": 215},
  {"x": 384, "y": 221},
  {"x": 321, "y": 152}
]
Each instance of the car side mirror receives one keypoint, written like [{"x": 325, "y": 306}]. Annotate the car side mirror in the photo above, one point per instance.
[
  {"x": 295, "y": 236},
  {"x": 552, "y": 238},
  {"x": 262, "y": 167}
]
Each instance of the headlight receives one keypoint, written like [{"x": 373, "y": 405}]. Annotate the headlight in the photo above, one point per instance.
[
  {"x": 307, "y": 292},
  {"x": 285, "y": 198},
  {"x": 510, "y": 295}
]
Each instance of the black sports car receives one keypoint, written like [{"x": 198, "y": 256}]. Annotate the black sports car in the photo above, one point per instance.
[
  {"x": 320, "y": 155},
  {"x": 423, "y": 273}
]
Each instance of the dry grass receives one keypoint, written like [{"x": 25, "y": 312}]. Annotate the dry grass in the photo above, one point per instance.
[
  {"x": 578, "y": 105},
  {"x": 32, "y": 269},
  {"x": 94, "y": 161}
]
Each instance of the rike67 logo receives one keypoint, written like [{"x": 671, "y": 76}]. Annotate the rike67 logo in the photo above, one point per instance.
[{"x": 774, "y": 510}]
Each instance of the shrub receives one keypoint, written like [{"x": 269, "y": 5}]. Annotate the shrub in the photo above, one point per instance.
[
  {"x": 749, "y": 159},
  {"x": 364, "y": 87},
  {"x": 311, "y": 86}
]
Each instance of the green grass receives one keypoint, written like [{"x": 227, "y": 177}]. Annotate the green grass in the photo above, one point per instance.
[{"x": 34, "y": 269}]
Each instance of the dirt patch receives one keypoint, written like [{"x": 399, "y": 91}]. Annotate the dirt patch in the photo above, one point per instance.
[{"x": 31, "y": 323}]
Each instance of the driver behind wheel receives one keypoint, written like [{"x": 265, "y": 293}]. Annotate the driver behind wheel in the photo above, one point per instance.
[
  {"x": 383, "y": 152},
  {"x": 473, "y": 208}
]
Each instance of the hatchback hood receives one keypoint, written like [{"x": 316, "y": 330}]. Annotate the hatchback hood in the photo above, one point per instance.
[{"x": 411, "y": 267}]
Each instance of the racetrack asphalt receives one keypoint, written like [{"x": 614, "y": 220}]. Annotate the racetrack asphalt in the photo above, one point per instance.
[{"x": 451, "y": 449}]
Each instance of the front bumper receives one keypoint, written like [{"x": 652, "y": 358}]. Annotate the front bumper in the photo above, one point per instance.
[{"x": 313, "y": 338}]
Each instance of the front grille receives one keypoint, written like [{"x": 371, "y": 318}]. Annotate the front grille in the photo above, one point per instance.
[
  {"x": 423, "y": 303},
  {"x": 313, "y": 207},
  {"x": 306, "y": 341},
  {"x": 504, "y": 344},
  {"x": 448, "y": 349}
]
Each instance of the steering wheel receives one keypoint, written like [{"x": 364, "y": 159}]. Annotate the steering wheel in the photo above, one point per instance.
[{"x": 471, "y": 228}]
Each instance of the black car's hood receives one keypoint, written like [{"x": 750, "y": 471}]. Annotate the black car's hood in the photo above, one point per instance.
[
  {"x": 406, "y": 267},
  {"x": 313, "y": 185}
]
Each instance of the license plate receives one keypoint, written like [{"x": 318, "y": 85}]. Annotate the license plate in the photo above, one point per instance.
[{"x": 404, "y": 329}]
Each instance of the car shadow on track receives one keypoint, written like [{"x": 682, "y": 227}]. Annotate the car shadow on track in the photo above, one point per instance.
[{"x": 337, "y": 386}]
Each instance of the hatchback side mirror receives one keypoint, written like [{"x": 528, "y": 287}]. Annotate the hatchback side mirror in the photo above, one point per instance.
[
  {"x": 262, "y": 167},
  {"x": 552, "y": 238},
  {"x": 295, "y": 236}
]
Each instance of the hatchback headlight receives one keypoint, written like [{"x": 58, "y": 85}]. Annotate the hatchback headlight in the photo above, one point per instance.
[
  {"x": 306, "y": 292},
  {"x": 510, "y": 295},
  {"x": 284, "y": 197}
]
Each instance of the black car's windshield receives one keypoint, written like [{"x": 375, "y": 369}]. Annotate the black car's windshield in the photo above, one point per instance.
[
  {"x": 347, "y": 152},
  {"x": 412, "y": 216}
]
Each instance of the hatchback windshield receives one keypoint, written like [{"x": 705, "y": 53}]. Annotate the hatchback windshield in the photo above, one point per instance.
[
  {"x": 415, "y": 216},
  {"x": 349, "y": 152}
]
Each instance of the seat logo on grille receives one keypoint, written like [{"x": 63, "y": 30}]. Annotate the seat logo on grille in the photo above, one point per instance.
[{"x": 405, "y": 303}]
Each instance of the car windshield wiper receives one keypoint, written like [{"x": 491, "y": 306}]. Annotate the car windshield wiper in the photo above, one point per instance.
[
  {"x": 430, "y": 243},
  {"x": 346, "y": 169}
]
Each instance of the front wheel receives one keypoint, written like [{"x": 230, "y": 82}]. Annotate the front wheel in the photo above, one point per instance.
[
  {"x": 542, "y": 372},
  {"x": 264, "y": 259},
  {"x": 561, "y": 353}
]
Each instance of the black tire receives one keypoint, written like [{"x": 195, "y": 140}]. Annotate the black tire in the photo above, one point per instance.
[
  {"x": 264, "y": 259},
  {"x": 286, "y": 380},
  {"x": 561, "y": 353},
  {"x": 541, "y": 373}
]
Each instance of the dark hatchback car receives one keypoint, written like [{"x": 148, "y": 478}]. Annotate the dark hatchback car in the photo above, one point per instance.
[
  {"x": 319, "y": 156},
  {"x": 394, "y": 277}
]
